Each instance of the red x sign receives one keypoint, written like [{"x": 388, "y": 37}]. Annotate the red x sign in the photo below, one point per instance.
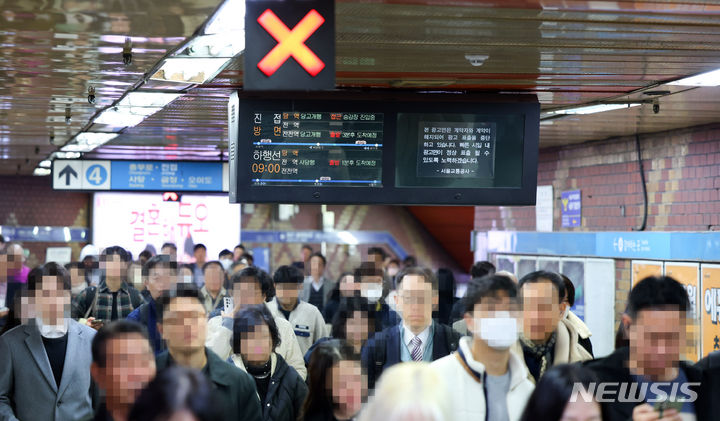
[{"x": 291, "y": 43}]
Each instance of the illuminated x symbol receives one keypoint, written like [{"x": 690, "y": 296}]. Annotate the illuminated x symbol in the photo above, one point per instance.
[{"x": 291, "y": 43}]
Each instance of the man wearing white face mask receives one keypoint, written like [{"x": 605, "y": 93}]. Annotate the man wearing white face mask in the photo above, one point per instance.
[{"x": 487, "y": 381}]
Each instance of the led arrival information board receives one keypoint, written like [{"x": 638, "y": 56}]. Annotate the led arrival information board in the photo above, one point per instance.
[
  {"x": 312, "y": 148},
  {"x": 398, "y": 151}
]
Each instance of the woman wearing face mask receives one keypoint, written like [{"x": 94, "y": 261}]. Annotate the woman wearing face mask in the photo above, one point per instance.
[
  {"x": 486, "y": 380},
  {"x": 337, "y": 385},
  {"x": 280, "y": 388}
]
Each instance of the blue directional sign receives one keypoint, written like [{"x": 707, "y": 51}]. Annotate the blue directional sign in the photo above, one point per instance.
[{"x": 163, "y": 176}]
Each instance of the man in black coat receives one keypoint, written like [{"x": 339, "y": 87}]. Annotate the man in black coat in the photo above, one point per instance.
[
  {"x": 648, "y": 375},
  {"x": 183, "y": 324},
  {"x": 417, "y": 337}
]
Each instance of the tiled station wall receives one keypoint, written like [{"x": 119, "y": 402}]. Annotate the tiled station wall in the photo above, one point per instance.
[
  {"x": 30, "y": 201},
  {"x": 682, "y": 172}
]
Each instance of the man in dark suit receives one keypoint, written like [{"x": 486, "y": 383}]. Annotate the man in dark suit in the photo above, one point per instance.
[
  {"x": 417, "y": 337},
  {"x": 183, "y": 324},
  {"x": 44, "y": 365}
]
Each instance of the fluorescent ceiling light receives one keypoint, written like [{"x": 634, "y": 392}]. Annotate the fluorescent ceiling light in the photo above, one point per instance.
[
  {"x": 87, "y": 141},
  {"x": 229, "y": 17},
  {"x": 189, "y": 70},
  {"x": 147, "y": 99},
  {"x": 348, "y": 237},
  {"x": 64, "y": 155},
  {"x": 703, "y": 79},
  {"x": 42, "y": 171},
  {"x": 592, "y": 109},
  {"x": 125, "y": 116},
  {"x": 45, "y": 164},
  {"x": 227, "y": 44}
]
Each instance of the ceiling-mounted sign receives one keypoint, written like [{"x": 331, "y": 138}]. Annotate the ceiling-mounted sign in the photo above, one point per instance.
[
  {"x": 140, "y": 175},
  {"x": 289, "y": 45}
]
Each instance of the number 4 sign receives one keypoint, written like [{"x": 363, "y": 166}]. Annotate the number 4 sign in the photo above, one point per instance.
[
  {"x": 81, "y": 175},
  {"x": 96, "y": 175}
]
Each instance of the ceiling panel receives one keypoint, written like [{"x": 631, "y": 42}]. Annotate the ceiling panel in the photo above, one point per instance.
[{"x": 567, "y": 52}]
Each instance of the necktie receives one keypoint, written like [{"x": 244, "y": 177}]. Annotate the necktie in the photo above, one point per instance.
[{"x": 417, "y": 352}]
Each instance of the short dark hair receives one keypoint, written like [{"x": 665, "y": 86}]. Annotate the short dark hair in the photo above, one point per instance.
[
  {"x": 366, "y": 269},
  {"x": 171, "y": 245},
  {"x": 318, "y": 254},
  {"x": 110, "y": 331},
  {"x": 239, "y": 246},
  {"x": 199, "y": 246},
  {"x": 539, "y": 276},
  {"x": 569, "y": 290},
  {"x": 176, "y": 388},
  {"x": 307, "y": 246},
  {"x": 117, "y": 251},
  {"x": 377, "y": 250},
  {"x": 488, "y": 286},
  {"x": 260, "y": 277},
  {"x": 347, "y": 308},
  {"x": 248, "y": 258},
  {"x": 210, "y": 263},
  {"x": 49, "y": 269},
  {"x": 225, "y": 252},
  {"x": 410, "y": 261},
  {"x": 418, "y": 271},
  {"x": 247, "y": 319},
  {"x": 655, "y": 292},
  {"x": 146, "y": 254},
  {"x": 554, "y": 390},
  {"x": 161, "y": 260},
  {"x": 288, "y": 275},
  {"x": 482, "y": 268},
  {"x": 179, "y": 290},
  {"x": 74, "y": 265}
]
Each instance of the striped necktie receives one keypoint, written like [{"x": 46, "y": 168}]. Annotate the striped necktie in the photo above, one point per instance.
[{"x": 417, "y": 351}]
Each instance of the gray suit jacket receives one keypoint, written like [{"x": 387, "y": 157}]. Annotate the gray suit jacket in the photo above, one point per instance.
[
  {"x": 328, "y": 286},
  {"x": 27, "y": 385}
]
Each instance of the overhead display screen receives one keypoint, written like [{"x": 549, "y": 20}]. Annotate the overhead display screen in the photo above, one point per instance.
[
  {"x": 459, "y": 150},
  {"x": 313, "y": 148},
  {"x": 365, "y": 148}
]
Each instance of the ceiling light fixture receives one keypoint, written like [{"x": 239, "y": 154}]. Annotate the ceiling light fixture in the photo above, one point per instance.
[
  {"x": 703, "y": 79},
  {"x": 42, "y": 171},
  {"x": 189, "y": 70},
  {"x": 591, "y": 109}
]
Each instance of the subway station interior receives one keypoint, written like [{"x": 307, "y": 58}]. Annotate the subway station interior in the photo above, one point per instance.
[{"x": 573, "y": 144}]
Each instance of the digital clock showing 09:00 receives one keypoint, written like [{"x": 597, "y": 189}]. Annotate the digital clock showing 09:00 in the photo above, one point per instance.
[{"x": 258, "y": 168}]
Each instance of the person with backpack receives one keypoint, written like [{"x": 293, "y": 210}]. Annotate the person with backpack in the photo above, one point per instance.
[
  {"x": 113, "y": 298},
  {"x": 418, "y": 337}
]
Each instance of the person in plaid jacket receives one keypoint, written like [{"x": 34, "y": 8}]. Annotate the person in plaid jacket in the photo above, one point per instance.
[{"x": 114, "y": 298}]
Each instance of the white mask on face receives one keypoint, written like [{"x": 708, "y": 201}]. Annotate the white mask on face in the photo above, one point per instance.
[
  {"x": 77, "y": 289},
  {"x": 226, "y": 263},
  {"x": 392, "y": 272},
  {"x": 372, "y": 292},
  {"x": 500, "y": 332}
]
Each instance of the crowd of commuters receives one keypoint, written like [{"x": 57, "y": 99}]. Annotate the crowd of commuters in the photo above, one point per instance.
[{"x": 112, "y": 338}]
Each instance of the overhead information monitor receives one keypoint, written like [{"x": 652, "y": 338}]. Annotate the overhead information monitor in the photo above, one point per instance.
[
  {"x": 314, "y": 148},
  {"x": 368, "y": 148}
]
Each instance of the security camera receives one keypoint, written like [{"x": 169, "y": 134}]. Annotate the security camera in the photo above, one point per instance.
[
  {"x": 52, "y": 139},
  {"x": 68, "y": 115},
  {"x": 656, "y": 106},
  {"x": 91, "y": 95},
  {"x": 127, "y": 52}
]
